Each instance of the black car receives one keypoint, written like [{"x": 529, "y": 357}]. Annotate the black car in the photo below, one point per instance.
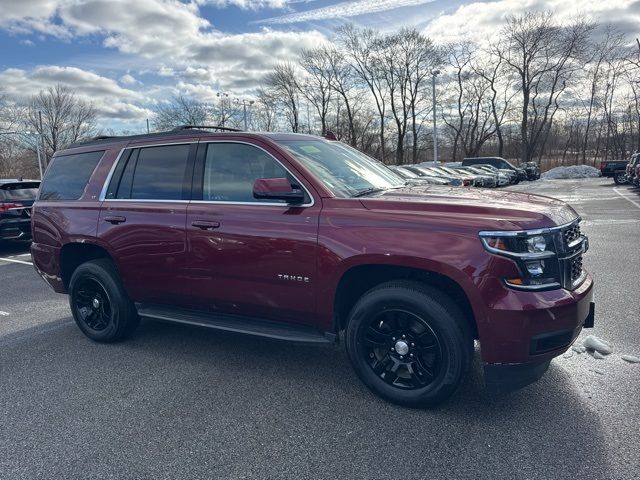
[
  {"x": 16, "y": 199},
  {"x": 497, "y": 162},
  {"x": 532, "y": 169}
]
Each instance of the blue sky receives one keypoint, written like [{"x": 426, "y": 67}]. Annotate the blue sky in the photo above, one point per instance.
[{"x": 127, "y": 55}]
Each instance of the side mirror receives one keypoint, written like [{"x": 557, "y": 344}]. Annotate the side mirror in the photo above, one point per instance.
[{"x": 277, "y": 189}]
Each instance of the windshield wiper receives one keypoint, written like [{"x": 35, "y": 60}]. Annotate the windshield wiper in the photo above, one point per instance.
[{"x": 368, "y": 191}]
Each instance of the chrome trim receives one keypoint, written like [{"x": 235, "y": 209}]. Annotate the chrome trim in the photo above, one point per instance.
[
  {"x": 523, "y": 233},
  {"x": 580, "y": 280},
  {"x": 521, "y": 256},
  {"x": 269, "y": 204},
  {"x": 105, "y": 186},
  {"x": 143, "y": 200},
  {"x": 545, "y": 286}
]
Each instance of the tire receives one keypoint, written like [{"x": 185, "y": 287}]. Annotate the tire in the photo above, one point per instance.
[
  {"x": 424, "y": 367},
  {"x": 620, "y": 178},
  {"x": 99, "y": 303}
]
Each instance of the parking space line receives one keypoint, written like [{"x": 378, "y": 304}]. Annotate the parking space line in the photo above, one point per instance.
[
  {"x": 13, "y": 260},
  {"x": 626, "y": 198}
]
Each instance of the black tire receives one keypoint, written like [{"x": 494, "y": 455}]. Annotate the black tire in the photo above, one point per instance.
[
  {"x": 99, "y": 303},
  {"x": 443, "y": 351},
  {"x": 620, "y": 177}
]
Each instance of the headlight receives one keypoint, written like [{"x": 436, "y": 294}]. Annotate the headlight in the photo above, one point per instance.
[
  {"x": 536, "y": 244},
  {"x": 533, "y": 252}
]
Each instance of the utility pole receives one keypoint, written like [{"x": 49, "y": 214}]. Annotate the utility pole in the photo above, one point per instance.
[
  {"x": 148, "y": 125},
  {"x": 244, "y": 110},
  {"x": 434, "y": 73},
  {"x": 221, "y": 96},
  {"x": 41, "y": 132}
]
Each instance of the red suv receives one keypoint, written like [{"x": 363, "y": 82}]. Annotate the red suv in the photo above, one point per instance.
[{"x": 299, "y": 238}]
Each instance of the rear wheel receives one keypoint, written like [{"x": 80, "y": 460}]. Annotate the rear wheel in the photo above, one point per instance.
[
  {"x": 619, "y": 178},
  {"x": 409, "y": 343},
  {"x": 99, "y": 303}
]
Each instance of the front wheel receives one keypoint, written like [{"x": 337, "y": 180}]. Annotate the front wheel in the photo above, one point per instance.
[
  {"x": 99, "y": 303},
  {"x": 620, "y": 178},
  {"x": 409, "y": 343}
]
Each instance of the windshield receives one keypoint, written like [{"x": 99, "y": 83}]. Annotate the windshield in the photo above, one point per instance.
[{"x": 343, "y": 170}]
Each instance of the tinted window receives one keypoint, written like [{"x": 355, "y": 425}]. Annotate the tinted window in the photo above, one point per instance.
[
  {"x": 67, "y": 176},
  {"x": 153, "y": 173},
  {"x": 18, "y": 191},
  {"x": 231, "y": 169}
]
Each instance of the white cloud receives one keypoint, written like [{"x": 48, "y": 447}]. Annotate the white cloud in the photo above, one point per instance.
[
  {"x": 479, "y": 21},
  {"x": 128, "y": 79},
  {"x": 345, "y": 9},
  {"x": 247, "y": 4},
  {"x": 109, "y": 98}
]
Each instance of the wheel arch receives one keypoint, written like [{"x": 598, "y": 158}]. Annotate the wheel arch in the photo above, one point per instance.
[
  {"x": 74, "y": 254},
  {"x": 359, "y": 279}
]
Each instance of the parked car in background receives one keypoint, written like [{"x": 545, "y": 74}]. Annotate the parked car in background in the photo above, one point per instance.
[
  {"x": 636, "y": 177},
  {"x": 414, "y": 178},
  {"x": 532, "y": 169},
  {"x": 467, "y": 178},
  {"x": 504, "y": 177},
  {"x": 630, "y": 169},
  {"x": 16, "y": 198},
  {"x": 297, "y": 238},
  {"x": 497, "y": 162},
  {"x": 429, "y": 172},
  {"x": 615, "y": 169},
  {"x": 489, "y": 180},
  {"x": 476, "y": 179}
]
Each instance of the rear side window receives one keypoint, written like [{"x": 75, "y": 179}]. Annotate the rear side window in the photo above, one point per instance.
[
  {"x": 68, "y": 175},
  {"x": 152, "y": 173}
]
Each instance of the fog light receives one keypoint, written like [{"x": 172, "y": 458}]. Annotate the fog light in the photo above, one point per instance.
[
  {"x": 535, "y": 269},
  {"x": 536, "y": 244}
]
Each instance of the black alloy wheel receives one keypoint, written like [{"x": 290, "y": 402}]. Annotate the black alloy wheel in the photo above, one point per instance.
[
  {"x": 620, "y": 178},
  {"x": 409, "y": 343},
  {"x": 92, "y": 304},
  {"x": 402, "y": 349},
  {"x": 99, "y": 303}
]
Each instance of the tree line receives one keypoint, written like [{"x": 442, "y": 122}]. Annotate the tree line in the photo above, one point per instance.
[{"x": 556, "y": 92}]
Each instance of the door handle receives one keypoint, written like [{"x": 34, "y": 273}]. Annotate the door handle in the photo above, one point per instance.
[
  {"x": 202, "y": 225},
  {"x": 115, "y": 219}
]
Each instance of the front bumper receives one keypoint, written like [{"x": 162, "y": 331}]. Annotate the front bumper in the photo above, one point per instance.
[{"x": 528, "y": 329}]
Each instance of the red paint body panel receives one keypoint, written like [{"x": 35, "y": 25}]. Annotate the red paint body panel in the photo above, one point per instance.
[{"x": 239, "y": 264}]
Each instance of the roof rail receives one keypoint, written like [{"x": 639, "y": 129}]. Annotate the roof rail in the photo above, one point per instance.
[
  {"x": 196, "y": 127},
  {"x": 101, "y": 137}
]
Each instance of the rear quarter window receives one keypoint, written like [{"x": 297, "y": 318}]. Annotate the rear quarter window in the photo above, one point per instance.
[
  {"x": 67, "y": 176},
  {"x": 19, "y": 191}
]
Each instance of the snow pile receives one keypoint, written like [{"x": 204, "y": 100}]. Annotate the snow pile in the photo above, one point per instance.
[
  {"x": 574, "y": 171},
  {"x": 631, "y": 358},
  {"x": 595, "y": 344}
]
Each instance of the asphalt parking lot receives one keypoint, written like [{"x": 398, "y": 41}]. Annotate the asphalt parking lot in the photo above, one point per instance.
[{"x": 180, "y": 402}]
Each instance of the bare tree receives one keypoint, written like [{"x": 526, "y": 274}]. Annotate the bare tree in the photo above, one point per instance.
[
  {"x": 180, "y": 110},
  {"x": 362, "y": 48},
  {"x": 541, "y": 54},
  {"x": 316, "y": 87},
  {"x": 65, "y": 118},
  {"x": 283, "y": 82}
]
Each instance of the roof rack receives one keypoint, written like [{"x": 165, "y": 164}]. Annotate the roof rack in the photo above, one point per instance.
[{"x": 197, "y": 127}]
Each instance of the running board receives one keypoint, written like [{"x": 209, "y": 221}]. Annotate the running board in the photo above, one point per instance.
[{"x": 232, "y": 323}]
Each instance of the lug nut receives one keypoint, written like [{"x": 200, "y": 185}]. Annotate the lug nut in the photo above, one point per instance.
[
  {"x": 393, "y": 349},
  {"x": 401, "y": 357},
  {"x": 413, "y": 344},
  {"x": 411, "y": 354},
  {"x": 404, "y": 336},
  {"x": 393, "y": 338}
]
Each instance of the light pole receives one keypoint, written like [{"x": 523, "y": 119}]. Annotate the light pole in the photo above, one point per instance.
[
  {"x": 37, "y": 145},
  {"x": 221, "y": 95},
  {"x": 244, "y": 110},
  {"x": 434, "y": 73}
]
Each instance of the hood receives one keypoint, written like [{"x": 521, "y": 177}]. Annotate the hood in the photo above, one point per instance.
[{"x": 476, "y": 208}]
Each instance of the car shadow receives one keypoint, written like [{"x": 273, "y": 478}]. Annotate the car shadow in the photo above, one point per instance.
[
  {"x": 13, "y": 248},
  {"x": 186, "y": 387}
]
